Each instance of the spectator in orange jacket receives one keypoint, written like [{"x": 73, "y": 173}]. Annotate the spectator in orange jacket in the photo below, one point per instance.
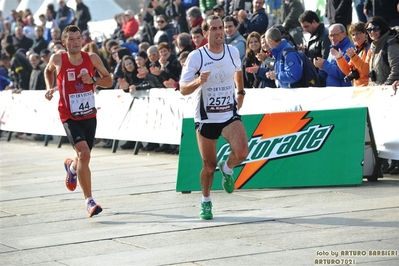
[
  {"x": 355, "y": 70},
  {"x": 130, "y": 25}
]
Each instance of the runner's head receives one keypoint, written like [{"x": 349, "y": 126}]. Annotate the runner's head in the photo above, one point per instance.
[
  {"x": 213, "y": 30},
  {"x": 72, "y": 39}
]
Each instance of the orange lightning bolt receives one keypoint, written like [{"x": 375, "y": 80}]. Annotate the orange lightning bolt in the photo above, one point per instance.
[{"x": 272, "y": 125}]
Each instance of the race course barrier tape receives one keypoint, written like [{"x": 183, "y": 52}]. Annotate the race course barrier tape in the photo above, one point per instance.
[{"x": 156, "y": 115}]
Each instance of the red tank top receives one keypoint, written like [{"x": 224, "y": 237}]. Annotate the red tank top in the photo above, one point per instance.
[{"x": 76, "y": 98}]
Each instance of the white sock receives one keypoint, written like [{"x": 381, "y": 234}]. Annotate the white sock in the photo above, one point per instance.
[
  {"x": 72, "y": 170},
  {"x": 89, "y": 199},
  {"x": 206, "y": 199},
  {"x": 227, "y": 169}
]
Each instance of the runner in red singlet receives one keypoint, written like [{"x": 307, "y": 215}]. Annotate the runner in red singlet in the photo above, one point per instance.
[{"x": 76, "y": 81}]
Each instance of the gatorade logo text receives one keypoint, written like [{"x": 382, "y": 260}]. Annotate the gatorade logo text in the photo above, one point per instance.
[
  {"x": 301, "y": 142},
  {"x": 279, "y": 135}
]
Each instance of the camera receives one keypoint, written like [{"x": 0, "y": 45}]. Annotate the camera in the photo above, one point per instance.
[
  {"x": 354, "y": 74},
  {"x": 373, "y": 75},
  {"x": 269, "y": 62}
]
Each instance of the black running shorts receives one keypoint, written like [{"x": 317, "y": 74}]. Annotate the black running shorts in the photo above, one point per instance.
[
  {"x": 81, "y": 130},
  {"x": 214, "y": 130}
]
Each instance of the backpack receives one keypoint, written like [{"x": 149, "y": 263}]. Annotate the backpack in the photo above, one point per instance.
[{"x": 310, "y": 77}]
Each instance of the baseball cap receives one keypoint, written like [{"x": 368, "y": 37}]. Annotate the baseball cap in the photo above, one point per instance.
[
  {"x": 218, "y": 7},
  {"x": 280, "y": 28}
]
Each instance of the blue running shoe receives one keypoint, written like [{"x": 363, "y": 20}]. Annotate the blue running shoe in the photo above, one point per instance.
[{"x": 71, "y": 179}]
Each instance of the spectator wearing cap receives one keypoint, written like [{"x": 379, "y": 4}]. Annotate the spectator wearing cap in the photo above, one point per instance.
[
  {"x": 206, "y": 6},
  {"x": 40, "y": 43},
  {"x": 130, "y": 25},
  {"x": 82, "y": 15},
  {"x": 19, "y": 67},
  {"x": 45, "y": 57},
  {"x": 219, "y": 11}
]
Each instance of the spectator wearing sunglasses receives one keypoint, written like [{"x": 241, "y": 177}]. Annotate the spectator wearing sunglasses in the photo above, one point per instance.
[
  {"x": 165, "y": 31},
  {"x": 384, "y": 56}
]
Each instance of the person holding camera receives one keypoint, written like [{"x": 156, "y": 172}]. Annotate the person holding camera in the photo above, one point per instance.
[
  {"x": 328, "y": 69},
  {"x": 355, "y": 71}
]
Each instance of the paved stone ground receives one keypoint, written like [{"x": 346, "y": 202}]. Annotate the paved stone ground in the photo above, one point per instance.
[{"x": 145, "y": 222}]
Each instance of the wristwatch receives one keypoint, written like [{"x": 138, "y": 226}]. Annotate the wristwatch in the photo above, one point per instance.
[
  {"x": 94, "y": 80},
  {"x": 241, "y": 92}
]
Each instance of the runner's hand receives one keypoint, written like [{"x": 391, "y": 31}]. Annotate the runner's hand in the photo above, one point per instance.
[{"x": 49, "y": 94}]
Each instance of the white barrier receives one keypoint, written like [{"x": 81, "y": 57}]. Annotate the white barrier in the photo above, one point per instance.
[{"x": 156, "y": 115}]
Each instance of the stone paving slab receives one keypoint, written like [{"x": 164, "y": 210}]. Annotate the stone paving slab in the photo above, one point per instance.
[{"x": 145, "y": 222}]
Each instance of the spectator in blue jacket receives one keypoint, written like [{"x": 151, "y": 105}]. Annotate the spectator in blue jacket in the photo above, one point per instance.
[
  {"x": 259, "y": 21},
  {"x": 287, "y": 70},
  {"x": 329, "y": 69}
]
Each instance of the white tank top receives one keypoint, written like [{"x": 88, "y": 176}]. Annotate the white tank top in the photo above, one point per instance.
[{"x": 215, "y": 99}]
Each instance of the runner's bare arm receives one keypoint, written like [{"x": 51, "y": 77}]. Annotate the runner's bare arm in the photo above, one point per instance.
[
  {"x": 55, "y": 60},
  {"x": 105, "y": 80},
  {"x": 187, "y": 88},
  {"x": 239, "y": 80}
]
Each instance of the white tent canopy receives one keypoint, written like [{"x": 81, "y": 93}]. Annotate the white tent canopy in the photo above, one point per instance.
[
  {"x": 33, "y": 5},
  {"x": 7, "y": 5},
  {"x": 99, "y": 10}
]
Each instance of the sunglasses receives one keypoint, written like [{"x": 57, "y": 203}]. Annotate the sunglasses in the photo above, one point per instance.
[
  {"x": 161, "y": 21},
  {"x": 375, "y": 29}
]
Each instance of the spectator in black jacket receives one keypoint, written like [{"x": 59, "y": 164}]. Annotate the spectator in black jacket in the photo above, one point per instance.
[
  {"x": 36, "y": 80},
  {"x": 19, "y": 40},
  {"x": 177, "y": 14},
  {"x": 388, "y": 9},
  {"x": 82, "y": 15},
  {"x": 20, "y": 69},
  {"x": 339, "y": 11},
  {"x": 319, "y": 42},
  {"x": 40, "y": 43}
]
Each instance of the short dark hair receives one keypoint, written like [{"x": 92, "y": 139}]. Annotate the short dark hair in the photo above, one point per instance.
[
  {"x": 308, "y": 16},
  {"x": 142, "y": 54},
  {"x": 196, "y": 30},
  {"x": 230, "y": 18},
  {"x": 205, "y": 23},
  {"x": 70, "y": 28}
]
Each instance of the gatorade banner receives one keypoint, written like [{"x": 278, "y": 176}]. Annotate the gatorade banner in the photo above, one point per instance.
[{"x": 291, "y": 149}]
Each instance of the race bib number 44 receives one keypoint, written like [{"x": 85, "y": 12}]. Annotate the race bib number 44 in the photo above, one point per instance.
[{"x": 82, "y": 104}]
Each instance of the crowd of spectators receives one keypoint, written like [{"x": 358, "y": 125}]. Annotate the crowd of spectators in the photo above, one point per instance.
[{"x": 147, "y": 48}]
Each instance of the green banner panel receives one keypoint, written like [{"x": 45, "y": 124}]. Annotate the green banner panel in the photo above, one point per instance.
[{"x": 292, "y": 149}]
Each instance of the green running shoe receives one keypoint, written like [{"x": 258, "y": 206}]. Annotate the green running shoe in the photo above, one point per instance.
[
  {"x": 227, "y": 180},
  {"x": 206, "y": 210}
]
